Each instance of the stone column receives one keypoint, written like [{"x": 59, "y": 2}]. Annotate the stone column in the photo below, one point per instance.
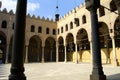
[
  {"x": 114, "y": 52},
  {"x": 51, "y": 54},
  {"x": 97, "y": 71},
  {"x": 43, "y": 60},
  {"x": 17, "y": 67},
  {"x": 38, "y": 57},
  {"x": 7, "y": 53},
  {"x": 76, "y": 53},
  {"x": 57, "y": 53},
  {"x": 65, "y": 54},
  {"x": 91, "y": 52},
  {"x": 107, "y": 52},
  {"x": 26, "y": 57}
]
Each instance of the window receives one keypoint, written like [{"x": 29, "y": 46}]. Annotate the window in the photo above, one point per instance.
[
  {"x": 32, "y": 28},
  {"x": 84, "y": 19},
  {"x": 76, "y": 21},
  {"x": 54, "y": 31},
  {"x": 40, "y": 29},
  {"x": 71, "y": 25},
  {"x": 61, "y": 29},
  {"x": 101, "y": 11},
  {"x": 66, "y": 27},
  {"x": 4, "y": 24},
  {"x": 58, "y": 31},
  {"x": 47, "y": 30},
  {"x": 113, "y": 6}
]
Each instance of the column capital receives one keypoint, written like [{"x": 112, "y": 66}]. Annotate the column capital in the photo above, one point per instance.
[
  {"x": 90, "y": 40},
  {"x": 92, "y": 4},
  {"x": 26, "y": 45},
  {"x": 43, "y": 44},
  {"x": 57, "y": 43},
  {"x": 112, "y": 37}
]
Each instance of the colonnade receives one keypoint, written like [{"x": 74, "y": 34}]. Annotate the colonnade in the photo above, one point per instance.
[{"x": 17, "y": 68}]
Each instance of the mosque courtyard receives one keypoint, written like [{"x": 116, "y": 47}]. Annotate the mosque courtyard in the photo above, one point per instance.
[{"x": 60, "y": 71}]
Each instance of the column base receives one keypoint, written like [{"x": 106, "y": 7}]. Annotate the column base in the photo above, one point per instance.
[
  {"x": 17, "y": 77},
  {"x": 26, "y": 61},
  {"x": 116, "y": 63},
  {"x": 65, "y": 61},
  {"x": 43, "y": 61},
  {"x": 6, "y": 62},
  {"x": 77, "y": 62},
  {"x": 97, "y": 77}
]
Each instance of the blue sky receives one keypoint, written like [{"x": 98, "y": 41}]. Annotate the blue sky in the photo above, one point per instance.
[{"x": 46, "y": 8}]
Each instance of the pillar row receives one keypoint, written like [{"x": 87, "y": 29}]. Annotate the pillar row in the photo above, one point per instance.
[
  {"x": 114, "y": 52},
  {"x": 43, "y": 60},
  {"x": 57, "y": 53}
]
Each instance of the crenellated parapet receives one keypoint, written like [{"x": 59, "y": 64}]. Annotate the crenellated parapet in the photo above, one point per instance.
[
  {"x": 72, "y": 11},
  {"x": 11, "y": 12},
  {"x": 39, "y": 18},
  {"x": 4, "y": 11}
]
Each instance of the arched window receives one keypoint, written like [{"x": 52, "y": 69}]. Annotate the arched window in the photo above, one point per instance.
[
  {"x": 54, "y": 31},
  {"x": 76, "y": 21},
  {"x": 58, "y": 31},
  {"x": 71, "y": 25},
  {"x": 61, "y": 29},
  {"x": 84, "y": 19},
  {"x": 113, "y": 6},
  {"x": 66, "y": 27},
  {"x": 4, "y": 24},
  {"x": 47, "y": 30},
  {"x": 101, "y": 11},
  {"x": 13, "y": 25},
  {"x": 32, "y": 28},
  {"x": 39, "y": 29}
]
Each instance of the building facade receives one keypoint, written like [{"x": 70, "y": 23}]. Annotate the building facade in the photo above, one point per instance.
[
  {"x": 68, "y": 39},
  {"x": 40, "y": 37}
]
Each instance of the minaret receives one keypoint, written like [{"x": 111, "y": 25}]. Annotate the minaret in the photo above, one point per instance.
[{"x": 57, "y": 15}]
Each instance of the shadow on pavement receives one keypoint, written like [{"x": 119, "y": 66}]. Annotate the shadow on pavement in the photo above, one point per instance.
[{"x": 114, "y": 77}]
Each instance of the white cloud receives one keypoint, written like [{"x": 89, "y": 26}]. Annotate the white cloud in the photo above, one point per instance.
[
  {"x": 33, "y": 6},
  {"x": 11, "y": 4},
  {"x": 8, "y": 4}
]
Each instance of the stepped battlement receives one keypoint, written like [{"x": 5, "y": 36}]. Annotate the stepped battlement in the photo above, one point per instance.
[
  {"x": 11, "y": 12},
  {"x": 73, "y": 11}
]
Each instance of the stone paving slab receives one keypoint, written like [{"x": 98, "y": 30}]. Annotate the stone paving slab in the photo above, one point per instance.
[{"x": 60, "y": 71}]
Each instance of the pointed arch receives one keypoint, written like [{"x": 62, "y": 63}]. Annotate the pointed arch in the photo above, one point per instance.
[
  {"x": 113, "y": 7},
  {"x": 50, "y": 49},
  {"x": 117, "y": 32},
  {"x": 70, "y": 46},
  {"x": 61, "y": 48},
  {"x": 83, "y": 45},
  {"x": 35, "y": 49},
  {"x": 105, "y": 41}
]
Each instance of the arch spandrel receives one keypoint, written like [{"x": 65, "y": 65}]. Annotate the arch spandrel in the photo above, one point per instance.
[{"x": 36, "y": 37}]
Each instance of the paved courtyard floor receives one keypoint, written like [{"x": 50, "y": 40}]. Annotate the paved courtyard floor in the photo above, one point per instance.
[{"x": 60, "y": 71}]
